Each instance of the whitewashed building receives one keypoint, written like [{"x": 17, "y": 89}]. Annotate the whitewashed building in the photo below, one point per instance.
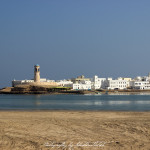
[
  {"x": 142, "y": 85},
  {"x": 98, "y": 83},
  {"x": 65, "y": 83},
  {"x": 77, "y": 84},
  {"x": 18, "y": 82},
  {"x": 119, "y": 83},
  {"x": 139, "y": 78},
  {"x": 84, "y": 85}
]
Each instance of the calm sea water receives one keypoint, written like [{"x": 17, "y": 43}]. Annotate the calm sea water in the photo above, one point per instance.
[{"x": 75, "y": 102}]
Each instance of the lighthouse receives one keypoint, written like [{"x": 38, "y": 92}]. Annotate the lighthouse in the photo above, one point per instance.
[{"x": 37, "y": 73}]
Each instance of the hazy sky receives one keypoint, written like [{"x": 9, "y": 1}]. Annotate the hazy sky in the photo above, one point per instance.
[{"x": 68, "y": 38}]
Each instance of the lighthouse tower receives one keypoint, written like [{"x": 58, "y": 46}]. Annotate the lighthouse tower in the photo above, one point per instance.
[{"x": 37, "y": 73}]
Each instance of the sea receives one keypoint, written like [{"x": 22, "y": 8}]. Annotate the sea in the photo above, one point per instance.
[{"x": 75, "y": 102}]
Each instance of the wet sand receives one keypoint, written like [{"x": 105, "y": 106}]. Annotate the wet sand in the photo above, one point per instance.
[{"x": 45, "y": 130}]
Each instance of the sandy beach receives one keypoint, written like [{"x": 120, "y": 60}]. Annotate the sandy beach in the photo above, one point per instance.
[{"x": 44, "y": 130}]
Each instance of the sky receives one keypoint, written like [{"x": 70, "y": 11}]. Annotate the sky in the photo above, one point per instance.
[{"x": 68, "y": 38}]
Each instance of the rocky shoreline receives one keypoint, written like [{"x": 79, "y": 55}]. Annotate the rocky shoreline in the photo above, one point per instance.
[{"x": 63, "y": 90}]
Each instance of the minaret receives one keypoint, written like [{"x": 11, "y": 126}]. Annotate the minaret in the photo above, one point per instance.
[{"x": 37, "y": 73}]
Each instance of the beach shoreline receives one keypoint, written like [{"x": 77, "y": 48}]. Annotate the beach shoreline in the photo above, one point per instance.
[{"x": 49, "y": 129}]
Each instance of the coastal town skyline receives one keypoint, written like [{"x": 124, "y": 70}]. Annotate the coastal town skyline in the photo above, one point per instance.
[
  {"x": 69, "y": 78},
  {"x": 85, "y": 83},
  {"x": 68, "y": 39}
]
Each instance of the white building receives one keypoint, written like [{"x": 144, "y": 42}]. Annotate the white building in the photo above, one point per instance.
[
  {"x": 83, "y": 85},
  {"x": 17, "y": 82},
  {"x": 98, "y": 83},
  {"x": 142, "y": 85},
  {"x": 65, "y": 83},
  {"x": 141, "y": 82},
  {"x": 119, "y": 83},
  {"x": 78, "y": 85},
  {"x": 139, "y": 78}
]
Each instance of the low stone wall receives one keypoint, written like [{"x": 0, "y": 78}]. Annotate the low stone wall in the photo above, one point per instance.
[{"x": 53, "y": 84}]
